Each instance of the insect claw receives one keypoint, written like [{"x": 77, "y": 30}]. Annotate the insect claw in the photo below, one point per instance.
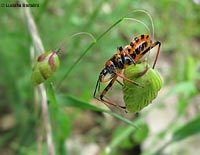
[
  {"x": 137, "y": 84},
  {"x": 123, "y": 107}
]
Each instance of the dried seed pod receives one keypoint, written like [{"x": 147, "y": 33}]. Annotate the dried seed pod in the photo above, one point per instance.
[
  {"x": 135, "y": 97},
  {"x": 47, "y": 63}
]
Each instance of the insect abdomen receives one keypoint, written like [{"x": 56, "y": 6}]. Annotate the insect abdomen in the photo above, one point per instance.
[{"x": 139, "y": 46}]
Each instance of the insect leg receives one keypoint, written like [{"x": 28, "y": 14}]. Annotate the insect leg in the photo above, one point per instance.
[
  {"x": 130, "y": 57},
  {"x": 97, "y": 88},
  {"x": 158, "y": 51},
  {"x": 123, "y": 52},
  {"x": 101, "y": 79},
  {"x": 102, "y": 96},
  {"x": 120, "y": 82},
  {"x": 123, "y": 77}
]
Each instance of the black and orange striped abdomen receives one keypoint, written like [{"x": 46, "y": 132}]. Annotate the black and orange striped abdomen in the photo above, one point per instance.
[{"x": 139, "y": 46}]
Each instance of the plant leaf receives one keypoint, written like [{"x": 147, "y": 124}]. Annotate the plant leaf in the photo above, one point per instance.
[
  {"x": 71, "y": 101},
  {"x": 189, "y": 129}
]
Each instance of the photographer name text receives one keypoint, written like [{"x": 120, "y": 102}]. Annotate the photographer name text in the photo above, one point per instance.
[{"x": 18, "y": 5}]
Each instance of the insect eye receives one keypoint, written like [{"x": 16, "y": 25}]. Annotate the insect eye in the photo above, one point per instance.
[
  {"x": 120, "y": 48},
  {"x": 105, "y": 71}
]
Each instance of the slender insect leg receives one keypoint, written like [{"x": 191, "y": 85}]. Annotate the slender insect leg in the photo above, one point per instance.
[
  {"x": 130, "y": 57},
  {"x": 133, "y": 82},
  {"x": 158, "y": 51},
  {"x": 101, "y": 79},
  {"x": 120, "y": 82},
  {"x": 143, "y": 72},
  {"x": 122, "y": 51},
  {"x": 102, "y": 96}
]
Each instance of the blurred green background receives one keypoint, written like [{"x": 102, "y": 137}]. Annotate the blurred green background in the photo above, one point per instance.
[{"x": 174, "y": 116}]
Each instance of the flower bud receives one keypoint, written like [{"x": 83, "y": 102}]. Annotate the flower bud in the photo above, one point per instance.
[{"x": 47, "y": 63}]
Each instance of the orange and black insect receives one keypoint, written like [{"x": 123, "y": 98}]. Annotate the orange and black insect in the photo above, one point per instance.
[{"x": 126, "y": 56}]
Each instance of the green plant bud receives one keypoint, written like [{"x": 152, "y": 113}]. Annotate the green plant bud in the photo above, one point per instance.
[
  {"x": 45, "y": 67},
  {"x": 138, "y": 97}
]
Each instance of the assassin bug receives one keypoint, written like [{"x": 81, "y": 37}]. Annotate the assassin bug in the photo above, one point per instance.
[{"x": 131, "y": 54}]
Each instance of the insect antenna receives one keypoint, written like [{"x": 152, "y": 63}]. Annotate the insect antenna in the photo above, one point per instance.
[
  {"x": 151, "y": 32},
  {"x": 151, "y": 20},
  {"x": 64, "y": 42}
]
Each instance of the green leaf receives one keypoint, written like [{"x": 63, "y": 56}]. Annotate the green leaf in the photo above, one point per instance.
[
  {"x": 189, "y": 129},
  {"x": 64, "y": 125},
  {"x": 183, "y": 132},
  {"x": 62, "y": 129},
  {"x": 71, "y": 101},
  {"x": 51, "y": 96}
]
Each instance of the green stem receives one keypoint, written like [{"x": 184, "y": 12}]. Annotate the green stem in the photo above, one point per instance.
[
  {"x": 160, "y": 150},
  {"x": 51, "y": 96},
  {"x": 86, "y": 51}
]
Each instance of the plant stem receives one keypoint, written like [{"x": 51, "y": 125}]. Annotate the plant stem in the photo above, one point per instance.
[
  {"x": 42, "y": 90},
  {"x": 86, "y": 51}
]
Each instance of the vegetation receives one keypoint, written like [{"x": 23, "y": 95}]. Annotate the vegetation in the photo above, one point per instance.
[{"x": 77, "y": 123}]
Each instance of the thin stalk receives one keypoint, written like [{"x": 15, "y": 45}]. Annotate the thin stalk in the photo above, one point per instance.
[
  {"x": 86, "y": 51},
  {"x": 98, "y": 38},
  {"x": 42, "y": 90}
]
